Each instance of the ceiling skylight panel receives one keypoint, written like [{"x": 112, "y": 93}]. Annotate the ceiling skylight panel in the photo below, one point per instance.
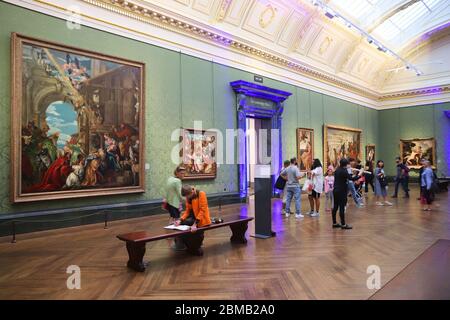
[
  {"x": 387, "y": 30},
  {"x": 407, "y": 17},
  {"x": 357, "y": 9}
]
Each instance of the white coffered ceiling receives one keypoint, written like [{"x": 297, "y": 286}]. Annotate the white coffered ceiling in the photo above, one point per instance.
[{"x": 298, "y": 36}]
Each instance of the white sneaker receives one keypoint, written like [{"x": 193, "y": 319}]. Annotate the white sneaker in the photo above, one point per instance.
[
  {"x": 299, "y": 215},
  {"x": 315, "y": 214},
  {"x": 378, "y": 203},
  {"x": 388, "y": 203},
  {"x": 287, "y": 214}
]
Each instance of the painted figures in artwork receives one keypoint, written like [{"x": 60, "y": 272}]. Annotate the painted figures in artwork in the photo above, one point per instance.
[
  {"x": 342, "y": 143},
  {"x": 80, "y": 126},
  {"x": 412, "y": 151},
  {"x": 370, "y": 153},
  {"x": 305, "y": 148},
  {"x": 199, "y": 154}
]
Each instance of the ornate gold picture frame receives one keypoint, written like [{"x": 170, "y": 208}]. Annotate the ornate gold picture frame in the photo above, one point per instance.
[{"x": 77, "y": 122}]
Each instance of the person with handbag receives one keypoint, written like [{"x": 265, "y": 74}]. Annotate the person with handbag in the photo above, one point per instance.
[
  {"x": 381, "y": 185},
  {"x": 280, "y": 184},
  {"x": 317, "y": 187}
]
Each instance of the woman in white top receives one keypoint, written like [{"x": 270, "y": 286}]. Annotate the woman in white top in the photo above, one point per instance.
[{"x": 317, "y": 180}]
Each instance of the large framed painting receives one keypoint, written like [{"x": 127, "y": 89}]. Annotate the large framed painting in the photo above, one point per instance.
[
  {"x": 341, "y": 142},
  {"x": 77, "y": 122},
  {"x": 412, "y": 150},
  {"x": 370, "y": 152},
  {"x": 305, "y": 148},
  {"x": 198, "y": 153}
]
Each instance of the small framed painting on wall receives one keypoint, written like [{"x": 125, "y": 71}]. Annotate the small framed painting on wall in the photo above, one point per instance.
[{"x": 198, "y": 153}]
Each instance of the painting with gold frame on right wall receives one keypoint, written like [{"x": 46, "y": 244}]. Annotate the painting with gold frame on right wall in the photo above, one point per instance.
[{"x": 412, "y": 150}]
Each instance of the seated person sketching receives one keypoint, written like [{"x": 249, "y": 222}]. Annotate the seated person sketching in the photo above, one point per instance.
[{"x": 197, "y": 211}]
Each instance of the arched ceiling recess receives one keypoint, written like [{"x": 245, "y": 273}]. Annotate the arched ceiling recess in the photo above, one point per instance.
[{"x": 299, "y": 37}]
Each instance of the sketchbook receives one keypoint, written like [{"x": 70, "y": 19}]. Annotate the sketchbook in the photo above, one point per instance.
[{"x": 180, "y": 227}]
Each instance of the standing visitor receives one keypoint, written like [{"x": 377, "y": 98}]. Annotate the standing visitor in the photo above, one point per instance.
[
  {"x": 381, "y": 184},
  {"x": 402, "y": 178},
  {"x": 173, "y": 200},
  {"x": 340, "y": 192},
  {"x": 285, "y": 165},
  {"x": 422, "y": 167},
  {"x": 329, "y": 185},
  {"x": 172, "y": 193},
  {"x": 317, "y": 181},
  {"x": 293, "y": 175},
  {"x": 369, "y": 176},
  {"x": 426, "y": 186}
]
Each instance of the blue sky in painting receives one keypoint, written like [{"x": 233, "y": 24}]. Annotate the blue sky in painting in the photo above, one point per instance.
[{"x": 62, "y": 118}]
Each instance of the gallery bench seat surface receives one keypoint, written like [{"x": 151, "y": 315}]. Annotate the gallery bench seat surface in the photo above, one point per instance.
[
  {"x": 136, "y": 241},
  {"x": 159, "y": 233}
]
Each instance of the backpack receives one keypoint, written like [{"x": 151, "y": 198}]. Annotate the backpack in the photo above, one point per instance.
[{"x": 280, "y": 183}]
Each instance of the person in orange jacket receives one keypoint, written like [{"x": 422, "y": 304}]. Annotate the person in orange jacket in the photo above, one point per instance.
[{"x": 197, "y": 211}]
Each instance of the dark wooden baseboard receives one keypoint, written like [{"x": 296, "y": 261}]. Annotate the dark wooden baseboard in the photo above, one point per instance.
[{"x": 33, "y": 221}]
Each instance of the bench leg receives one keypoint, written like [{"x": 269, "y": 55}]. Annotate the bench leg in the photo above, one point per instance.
[
  {"x": 239, "y": 230},
  {"x": 136, "y": 253},
  {"x": 193, "y": 242}
]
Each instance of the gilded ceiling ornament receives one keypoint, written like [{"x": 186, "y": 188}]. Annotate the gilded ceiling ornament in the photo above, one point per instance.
[
  {"x": 267, "y": 15},
  {"x": 223, "y": 9},
  {"x": 325, "y": 45}
]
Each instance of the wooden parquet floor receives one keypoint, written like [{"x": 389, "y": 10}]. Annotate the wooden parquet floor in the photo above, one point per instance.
[{"x": 306, "y": 260}]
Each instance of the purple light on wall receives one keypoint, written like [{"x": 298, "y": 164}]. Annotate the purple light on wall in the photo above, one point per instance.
[{"x": 447, "y": 113}]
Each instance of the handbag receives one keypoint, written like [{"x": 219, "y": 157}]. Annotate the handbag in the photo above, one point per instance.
[
  {"x": 280, "y": 183},
  {"x": 308, "y": 186},
  {"x": 383, "y": 181}
]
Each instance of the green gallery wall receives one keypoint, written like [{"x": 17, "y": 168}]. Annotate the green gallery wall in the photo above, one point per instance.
[
  {"x": 181, "y": 89},
  {"x": 415, "y": 122}
]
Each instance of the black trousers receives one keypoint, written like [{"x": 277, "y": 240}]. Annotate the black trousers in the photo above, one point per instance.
[
  {"x": 340, "y": 201},
  {"x": 427, "y": 195},
  {"x": 369, "y": 181},
  {"x": 404, "y": 182}
]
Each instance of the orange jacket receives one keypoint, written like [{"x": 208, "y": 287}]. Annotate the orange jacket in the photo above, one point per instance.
[{"x": 200, "y": 207}]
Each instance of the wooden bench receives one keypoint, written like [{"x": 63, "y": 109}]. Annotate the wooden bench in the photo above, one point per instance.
[{"x": 135, "y": 241}]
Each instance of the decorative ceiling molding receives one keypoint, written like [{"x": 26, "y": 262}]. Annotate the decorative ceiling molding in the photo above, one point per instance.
[
  {"x": 116, "y": 14},
  {"x": 414, "y": 93},
  {"x": 163, "y": 20}
]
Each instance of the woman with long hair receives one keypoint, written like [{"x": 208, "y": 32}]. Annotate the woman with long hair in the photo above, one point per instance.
[
  {"x": 381, "y": 185},
  {"x": 317, "y": 181}
]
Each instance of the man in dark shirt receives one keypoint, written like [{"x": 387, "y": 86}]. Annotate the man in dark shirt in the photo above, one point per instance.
[
  {"x": 402, "y": 178},
  {"x": 340, "y": 190}
]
